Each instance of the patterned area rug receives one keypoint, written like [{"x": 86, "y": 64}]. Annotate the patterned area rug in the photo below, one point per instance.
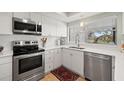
[{"x": 63, "y": 74}]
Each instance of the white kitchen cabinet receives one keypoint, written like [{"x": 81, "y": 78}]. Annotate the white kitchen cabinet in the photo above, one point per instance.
[
  {"x": 23, "y": 15},
  {"x": 123, "y": 23},
  {"x": 9, "y": 78},
  {"x": 73, "y": 60},
  {"x": 119, "y": 67},
  {"x": 6, "y": 68},
  {"x": 52, "y": 59},
  {"x": 66, "y": 58},
  {"x": 61, "y": 29},
  {"x": 53, "y": 27},
  {"x": 37, "y": 17},
  {"x": 5, "y": 23},
  {"x": 49, "y": 26},
  {"x": 45, "y": 26},
  {"x": 57, "y": 58},
  {"x": 48, "y": 61},
  {"x": 77, "y": 62},
  {"x": 69, "y": 58}
]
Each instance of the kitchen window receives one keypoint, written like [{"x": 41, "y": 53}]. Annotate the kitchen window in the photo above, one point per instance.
[{"x": 76, "y": 33}]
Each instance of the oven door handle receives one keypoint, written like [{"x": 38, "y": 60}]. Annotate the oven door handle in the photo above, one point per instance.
[{"x": 28, "y": 55}]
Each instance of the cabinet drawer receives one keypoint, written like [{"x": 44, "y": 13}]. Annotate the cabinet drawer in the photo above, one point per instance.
[
  {"x": 5, "y": 70},
  {"x": 4, "y": 60}
]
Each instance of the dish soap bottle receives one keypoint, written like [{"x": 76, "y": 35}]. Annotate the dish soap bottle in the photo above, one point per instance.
[{"x": 122, "y": 48}]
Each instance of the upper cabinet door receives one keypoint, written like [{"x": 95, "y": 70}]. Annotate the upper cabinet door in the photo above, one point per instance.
[
  {"x": 61, "y": 29},
  {"x": 25, "y": 15},
  {"x": 45, "y": 25},
  {"x": 5, "y": 23},
  {"x": 53, "y": 27},
  {"x": 36, "y": 17},
  {"x": 49, "y": 26},
  {"x": 123, "y": 23}
]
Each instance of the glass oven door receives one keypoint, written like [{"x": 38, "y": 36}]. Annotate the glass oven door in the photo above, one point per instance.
[
  {"x": 30, "y": 63},
  {"x": 27, "y": 65}
]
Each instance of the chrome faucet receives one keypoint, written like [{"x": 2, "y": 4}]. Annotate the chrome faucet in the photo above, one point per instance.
[
  {"x": 77, "y": 40},
  {"x": 78, "y": 43}
]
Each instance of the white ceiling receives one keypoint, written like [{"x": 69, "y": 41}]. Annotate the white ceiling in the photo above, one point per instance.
[{"x": 70, "y": 16}]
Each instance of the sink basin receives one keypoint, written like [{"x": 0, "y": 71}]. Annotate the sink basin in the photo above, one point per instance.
[{"x": 76, "y": 47}]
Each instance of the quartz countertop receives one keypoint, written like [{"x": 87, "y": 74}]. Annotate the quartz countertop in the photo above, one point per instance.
[
  {"x": 6, "y": 53},
  {"x": 100, "y": 51},
  {"x": 55, "y": 47},
  {"x": 115, "y": 52}
]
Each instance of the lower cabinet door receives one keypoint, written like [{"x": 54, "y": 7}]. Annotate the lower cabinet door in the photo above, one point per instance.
[
  {"x": 77, "y": 62},
  {"x": 57, "y": 58},
  {"x": 5, "y": 71},
  {"x": 7, "y": 78},
  {"x": 67, "y": 59}
]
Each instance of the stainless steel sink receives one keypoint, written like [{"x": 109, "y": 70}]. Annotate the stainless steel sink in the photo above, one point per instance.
[{"x": 76, "y": 47}]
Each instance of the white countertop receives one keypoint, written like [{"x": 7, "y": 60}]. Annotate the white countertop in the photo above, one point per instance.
[
  {"x": 115, "y": 52},
  {"x": 6, "y": 53},
  {"x": 101, "y": 51},
  {"x": 88, "y": 49},
  {"x": 55, "y": 47}
]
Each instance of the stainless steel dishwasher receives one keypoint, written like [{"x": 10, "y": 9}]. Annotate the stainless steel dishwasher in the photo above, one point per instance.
[{"x": 97, "y": 67}]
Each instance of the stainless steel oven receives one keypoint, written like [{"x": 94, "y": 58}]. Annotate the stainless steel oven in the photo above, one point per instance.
[{"x": 28, "y": 65}]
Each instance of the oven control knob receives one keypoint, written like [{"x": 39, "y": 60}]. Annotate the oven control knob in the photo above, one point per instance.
[{"x": 18, "y": 42}]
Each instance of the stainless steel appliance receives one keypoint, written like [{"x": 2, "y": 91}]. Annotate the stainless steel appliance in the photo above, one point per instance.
[
  {"x": 28, "y": 61},
  {"x": 63, "y": 40},
  {"x": 98, "y": 67},
  {"x": 1, "y": 48},
  {"x": 24, "y": 26}
]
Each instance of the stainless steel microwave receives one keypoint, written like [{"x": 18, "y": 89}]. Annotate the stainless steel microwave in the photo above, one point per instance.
[{"x": 24, "y": 26}]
